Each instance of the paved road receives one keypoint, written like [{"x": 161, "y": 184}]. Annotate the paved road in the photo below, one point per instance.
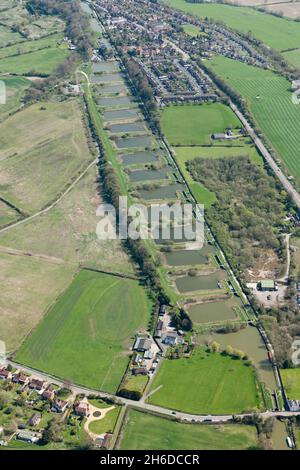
[{"x": 141, "y": 405}]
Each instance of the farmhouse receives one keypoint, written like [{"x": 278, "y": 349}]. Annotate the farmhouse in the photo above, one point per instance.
[
  {"x": 171, "y": 339},
  {"x": 142, "y": 344}
]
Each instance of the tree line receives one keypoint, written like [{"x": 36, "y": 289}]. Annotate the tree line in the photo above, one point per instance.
[{"x": 77, "y": 22}]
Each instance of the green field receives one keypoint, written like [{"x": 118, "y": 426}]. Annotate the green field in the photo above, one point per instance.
[
  {"x": 278, "y": 33},
  {"x": 8, "y": 37},
  {"x": 191, "y": 30},
  {"x": 14, "y": 89},
  {"x": 293, "y": 57},
  {"x": 189, "y": 128},
  {"x": 41, "y": 62},
  {"x": 147, "y": 432},
  {"x": 86, "y": 335},
  {"x": 30, "y": 46},
  {"x": 7, "y": 214},
  {"x": 206, "y": 383},
  {"x": 49, "y": 138},
  {"x": 29, "y": 286},
  {"x": 270, "y": 102},
  {"x": 193, "y": 124},
  {"x": 68, "y": 231},
  {"x": 291, "y": 382}
]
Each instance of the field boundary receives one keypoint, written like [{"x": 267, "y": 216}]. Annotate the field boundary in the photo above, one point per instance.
[{"x": 110, "y": 273}]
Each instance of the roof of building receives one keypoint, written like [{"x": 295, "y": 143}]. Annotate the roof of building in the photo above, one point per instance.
[
  {"x": 60, "y": 403},
  {"x": 82, "y": 406},
  {"x": 25, "y": 434},
  {"x": 267, "y": 283},
  {"x": 37, "y": 382},
  {"x": 142, "y": 343},
  {"x": 148, "y": 355},
  {"x": 218, "y": 136}
]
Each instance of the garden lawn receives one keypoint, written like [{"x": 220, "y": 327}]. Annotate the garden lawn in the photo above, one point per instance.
[
  {"x": 291, "y": 382},
  {"x": 107, "y": 424},
  {"x": 86, "y": 335},
  {"x": 206, "y": 383},
  {"x": 278, "y": 33},
  {"x": 270, "y": 101},
  {"x": 193, "y": 124},
  {"x": 164, "y": 434}
]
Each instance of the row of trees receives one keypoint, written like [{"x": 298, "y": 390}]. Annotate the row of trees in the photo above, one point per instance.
[
  {"x": 137, "y": 249},
  {"x": 77, "y": 22}
]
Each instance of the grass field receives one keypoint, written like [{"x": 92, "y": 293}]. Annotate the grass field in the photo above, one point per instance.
[
  {"x": 8, "y": 37},
  {"x": 293, "y": 57},
  {"x": 30, "y": 27},
  {"x": 270, "y": 102},
  {"x": 107, "y": 424},
  {"x": 86, "y": 335},
  {"x": 30, "y": 46},
  {"x": 14, "y": 89},
  {"x": 41, "y": 62},
  {"x": 277, "y": 33},
  {"x": 291, "y": 382},
  {"x": 7, "y": 214},
  {"x": 164, "y": 434},
  {"x": 49, "y": 138},
  {"x": 191, "y": 128},
  {"x": 193, "y": 124},
  {"x": 191, "y": 30},
  {"x": 68, "y": 231},
  {"x": 206, "y": 383},
  {"x": 28, "y": 287}
]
